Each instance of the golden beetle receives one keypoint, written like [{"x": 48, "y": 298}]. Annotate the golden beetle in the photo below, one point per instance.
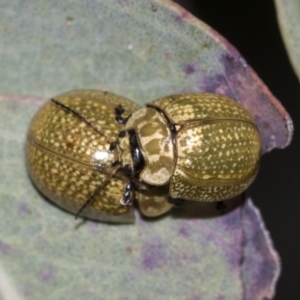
[{"x": 94, "y": 152}]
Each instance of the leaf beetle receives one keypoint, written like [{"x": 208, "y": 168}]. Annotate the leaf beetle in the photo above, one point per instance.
[{"x": 93, "y": 153}]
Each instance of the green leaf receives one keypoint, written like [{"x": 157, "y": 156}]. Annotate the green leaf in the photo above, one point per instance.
[{"x": 142, "y": 50}]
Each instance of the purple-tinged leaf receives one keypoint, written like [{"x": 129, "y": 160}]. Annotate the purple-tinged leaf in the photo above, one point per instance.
[
  {"x": 142, "y": 50},
  {"x": 260, "y": 263},
  {"x": 201, "y": 251}
]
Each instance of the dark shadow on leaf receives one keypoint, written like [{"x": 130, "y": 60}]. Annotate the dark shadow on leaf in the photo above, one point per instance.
[{"x": 201, "y": 210}]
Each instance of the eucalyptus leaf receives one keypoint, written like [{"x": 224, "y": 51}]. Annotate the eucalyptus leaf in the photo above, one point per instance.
[
  {"x": 142, "y": 50},
  {"x": 288, "y": 13}
]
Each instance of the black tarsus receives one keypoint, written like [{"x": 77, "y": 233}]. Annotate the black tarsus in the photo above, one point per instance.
[{"x": 127, "y": 200}]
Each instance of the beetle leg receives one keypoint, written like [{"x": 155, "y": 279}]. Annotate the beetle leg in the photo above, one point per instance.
[
  {"x": 141, "y": 185},
  {"x": 176, "y": 202},
  {"x": 84, "y": 119},
  {"x": 113, "y": 146},
  {"x": 92, "y": 197},
  {"x": 180, "y": 126},
  {"x": 127, "y": 196},
  {"x": 119, "y": 110}
]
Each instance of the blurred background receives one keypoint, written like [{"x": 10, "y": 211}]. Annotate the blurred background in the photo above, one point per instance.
[{"x": 252, "y": 27}]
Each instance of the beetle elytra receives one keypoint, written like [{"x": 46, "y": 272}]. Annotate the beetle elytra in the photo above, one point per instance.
[{"x": 95, "y": 152}]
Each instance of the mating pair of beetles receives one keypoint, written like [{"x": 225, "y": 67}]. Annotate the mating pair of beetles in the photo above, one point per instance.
[{"x": 94, "y": 153}]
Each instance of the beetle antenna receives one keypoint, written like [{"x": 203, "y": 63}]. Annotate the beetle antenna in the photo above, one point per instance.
[
  {"x": 92, "y": 197},
  {"x": 83, "y": 118}
]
